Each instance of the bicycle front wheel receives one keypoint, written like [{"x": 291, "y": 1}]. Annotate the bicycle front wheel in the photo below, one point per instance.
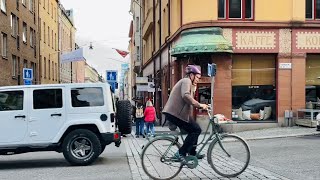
[
  {"x": 230, "y": 157},
  {"x": 157, "y": 158}
]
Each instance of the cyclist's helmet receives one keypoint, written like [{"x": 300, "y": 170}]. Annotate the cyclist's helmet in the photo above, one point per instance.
[{"x": 192, "y": 69}]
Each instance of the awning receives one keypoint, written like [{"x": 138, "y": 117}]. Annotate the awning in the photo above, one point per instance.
[{"x": 201, "y": 40}]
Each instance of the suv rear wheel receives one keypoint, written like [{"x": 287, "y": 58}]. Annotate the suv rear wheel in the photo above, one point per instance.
[
  {"x": 81, "y": 147},
  {"x": 124, "y": 121}
]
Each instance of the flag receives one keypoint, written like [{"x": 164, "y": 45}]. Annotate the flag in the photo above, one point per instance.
[{"x": 122, "y": 53}]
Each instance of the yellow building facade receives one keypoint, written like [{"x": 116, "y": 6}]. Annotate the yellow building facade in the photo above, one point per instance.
[
  {"x": 48, "y": 31},
  {"x": 272, "y": 67}
]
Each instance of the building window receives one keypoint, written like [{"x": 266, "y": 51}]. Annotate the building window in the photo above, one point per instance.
[
  {"x": 25, "y": 63},
  {"x": 235, "y": 9},
  {"x": 137, "y": 24},
  {"x": 24, "y": 33},
  {"x": 14, "y": 25},
  {"x": 253, "y": 87},
  {"x": 14, "y": 65},
  {"x": 24, "y": 2},
  {"x": 45, "y": 68},
  {"x": 44, "y": 32},
  {"x": 32, "y": 37},
  {"x": 17, "y": 4},
  {"x": 313, "y": 80},
  {"x": 312, "y": 9},
  {"x": 49, "y": 69},
  {"x": 3, "y": 6},
  {"x": 31, "y": 6},
  {"x": 53, "y": 71},
  {"x": 4, "y": 45},
  {"x": 48, "y": 36}
]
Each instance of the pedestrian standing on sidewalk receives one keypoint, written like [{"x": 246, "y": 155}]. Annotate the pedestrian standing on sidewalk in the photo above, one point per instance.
[
  {"x": 150, "y": 118},
  {"x": 139, "y": 120}
]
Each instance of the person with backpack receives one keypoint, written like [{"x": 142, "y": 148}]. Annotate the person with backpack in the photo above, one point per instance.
[{"x": 139, "y": 120}]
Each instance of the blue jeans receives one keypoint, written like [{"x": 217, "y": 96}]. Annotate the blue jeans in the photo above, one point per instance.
[
  {"x": 150, "y": 127},
  {"x": 139, "y": 126}
]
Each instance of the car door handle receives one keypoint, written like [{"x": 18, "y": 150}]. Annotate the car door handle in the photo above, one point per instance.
[
  {"x": 20, "y": 116},
  {"x": 59, "y": 114}
]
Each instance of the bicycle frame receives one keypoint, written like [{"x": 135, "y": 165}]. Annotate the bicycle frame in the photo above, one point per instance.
[{"x": 213, "y": 135}]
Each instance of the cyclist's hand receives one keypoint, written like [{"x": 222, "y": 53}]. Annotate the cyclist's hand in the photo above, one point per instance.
[{"x": 204, "y": 106}]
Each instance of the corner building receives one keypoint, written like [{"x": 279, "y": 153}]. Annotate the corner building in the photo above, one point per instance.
[{"x": 267, "y": 54}]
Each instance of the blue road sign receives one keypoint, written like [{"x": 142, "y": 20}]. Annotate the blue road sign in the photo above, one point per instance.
[
  {"x": 27, "y": 73},
  {"x": 212, "y": 69},
  {"x": 27, "y": 82},
  {"x": 114, "y": 86},
  {"x": 111, "y": 76}
]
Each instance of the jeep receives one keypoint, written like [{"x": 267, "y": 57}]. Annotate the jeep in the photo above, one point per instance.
[{"x": 78, "y": 120}]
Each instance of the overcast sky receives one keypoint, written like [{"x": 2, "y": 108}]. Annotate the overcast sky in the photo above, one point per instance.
[{"x": 106, "y": 24}]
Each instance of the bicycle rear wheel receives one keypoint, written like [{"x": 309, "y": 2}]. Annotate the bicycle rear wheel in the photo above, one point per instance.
[
  {"x": 156, "y": 158},
  {"x": 231, "y": 157}
]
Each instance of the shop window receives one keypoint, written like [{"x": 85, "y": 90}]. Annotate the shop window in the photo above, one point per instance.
[
  {"x": 235, "y": 9},
  {"x": 253, "y": 87},
  {"x": 313, "y": 80},
  {"x": 312, "y": 9}
]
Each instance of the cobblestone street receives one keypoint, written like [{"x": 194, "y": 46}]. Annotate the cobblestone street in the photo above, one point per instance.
[{"x": 203, "y": 171}]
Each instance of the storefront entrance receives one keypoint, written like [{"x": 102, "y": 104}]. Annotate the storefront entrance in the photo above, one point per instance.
[{"x": 313, "y": 81}]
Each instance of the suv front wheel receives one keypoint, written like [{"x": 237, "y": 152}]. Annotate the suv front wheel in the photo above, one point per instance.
[{"x": 81, "y": 147}]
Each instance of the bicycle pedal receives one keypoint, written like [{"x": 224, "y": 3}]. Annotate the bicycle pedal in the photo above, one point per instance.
[{"x": 192, "y": 161}]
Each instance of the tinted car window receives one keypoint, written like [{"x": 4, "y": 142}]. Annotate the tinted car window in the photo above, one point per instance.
[
  {"x": 11, "y": 100},
  {"x": 86, "y": 97},
  {"x": 47, "y": 98}
]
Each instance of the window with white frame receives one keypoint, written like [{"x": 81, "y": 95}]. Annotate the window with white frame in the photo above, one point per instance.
[
  {"x": 31, "y": 37},
  {"x": 24, "y": 2},
  {"x": 24, "y": 32},
  {"x": 235, "y": 9},
  {"x": 31, "y": 5},
  {"x": 14, "y": 25},
  {"x": 3, "y": 5},
  {"x": 313, "y": 9},
  {"x": 4, "y": 44},
  {"x": 14, "y": 65}
]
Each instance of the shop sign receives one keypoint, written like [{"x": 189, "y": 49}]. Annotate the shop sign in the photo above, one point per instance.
[
  {"x": 255, "y": 41},
  {"x": 308, "y": 40},
  {"x": 142, "y": 88}
]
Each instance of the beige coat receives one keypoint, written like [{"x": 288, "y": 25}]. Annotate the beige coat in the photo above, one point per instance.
[{"x": 181, "y": 100}]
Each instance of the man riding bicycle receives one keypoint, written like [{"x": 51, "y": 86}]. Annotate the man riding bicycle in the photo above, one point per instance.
[{"x": 178, "y": 110}]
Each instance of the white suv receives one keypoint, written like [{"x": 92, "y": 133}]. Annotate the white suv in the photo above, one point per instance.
[{"x": 76, "y": 119}]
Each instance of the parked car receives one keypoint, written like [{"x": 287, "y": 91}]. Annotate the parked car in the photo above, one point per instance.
[{"x": 79, "y": 120}]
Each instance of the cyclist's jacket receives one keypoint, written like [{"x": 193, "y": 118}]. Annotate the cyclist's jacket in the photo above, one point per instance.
[{"x": 181, "y": 100}]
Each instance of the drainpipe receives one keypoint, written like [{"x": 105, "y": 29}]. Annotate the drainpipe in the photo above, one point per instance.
[
  {"x": 169, "y": 57},
  {"x": 153, "y": 50},
  {"x": 160, "y": 28}
]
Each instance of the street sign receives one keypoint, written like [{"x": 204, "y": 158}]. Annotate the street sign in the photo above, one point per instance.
[
  {"x": 27, "y": 82},
  {"x": 111, "y": 76},
  {"x": 212, "y": 68},
  {"x": 27, "y": 73},
  {"x": 114, "y": 86}
]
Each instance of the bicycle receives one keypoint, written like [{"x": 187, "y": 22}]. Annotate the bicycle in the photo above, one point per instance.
[{"x": 227, "y": 154}]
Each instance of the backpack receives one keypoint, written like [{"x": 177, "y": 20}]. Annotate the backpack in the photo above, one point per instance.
[{"x": 139, "y": 112}]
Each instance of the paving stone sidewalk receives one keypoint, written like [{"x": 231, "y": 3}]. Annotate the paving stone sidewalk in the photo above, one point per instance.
[{"x": 203, "y": 171}]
